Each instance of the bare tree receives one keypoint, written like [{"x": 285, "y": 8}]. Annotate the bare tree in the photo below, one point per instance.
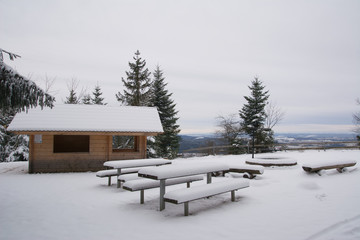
[
  {"x": 274, "y": 115},
  {"x": 356, "y": 117},
  {"x": 230, "y": 131}
]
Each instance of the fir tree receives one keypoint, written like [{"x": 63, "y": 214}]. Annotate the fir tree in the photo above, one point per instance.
[
  {"x": 86, "y": 99},
  {"x": 253, "y": 113},
  {"x": 137, "y": 84},
  {"x": 18, "y": 93},
  {"x": 72, "y": 98},
  {"x": 167, "y": 144},
  {"x": 97, "y": 96}
]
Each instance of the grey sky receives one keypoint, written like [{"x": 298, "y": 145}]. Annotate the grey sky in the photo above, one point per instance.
[{"x": 307, "y": 53}]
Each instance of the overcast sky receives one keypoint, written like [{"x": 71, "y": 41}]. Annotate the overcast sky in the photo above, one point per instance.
[{"x": 306, "y": 53}]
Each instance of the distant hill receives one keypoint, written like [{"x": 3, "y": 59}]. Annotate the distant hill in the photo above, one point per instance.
[{"x": 206, "y": 140}]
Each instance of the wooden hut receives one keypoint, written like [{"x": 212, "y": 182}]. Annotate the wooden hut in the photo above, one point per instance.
[{"x": 77, "y": 138}]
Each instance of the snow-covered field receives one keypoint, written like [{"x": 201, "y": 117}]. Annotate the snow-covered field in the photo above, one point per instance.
[{"x": 283, "y": 203}]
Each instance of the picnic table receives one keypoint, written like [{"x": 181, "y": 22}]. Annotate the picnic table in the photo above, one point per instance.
[
  {"x": 122, "y": 164},
  {"x": 163, "y": 173}
]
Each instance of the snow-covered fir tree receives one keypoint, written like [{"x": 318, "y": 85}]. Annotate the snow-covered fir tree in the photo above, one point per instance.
[
  {"x": 137, "y": 84},
  {"x": 165, "y": 145},
  {"x": 16, "y": 94},
  {"x": 86, "y": 99},
  {"x": 97, "y": 99},
  {"x": 253, "y": 113}
]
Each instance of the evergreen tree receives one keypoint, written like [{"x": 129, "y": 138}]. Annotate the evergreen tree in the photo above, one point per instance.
[
  {"x": 97, "y": 96},
  {"x": 16, "y": 94},
  {"x": 253, "y": 113},
  {"x": 86, "y": 99},
  {"x": 167, "y": 144},
  {"x": 137, "y": 84},
  {"x": 72, "y": 98}
]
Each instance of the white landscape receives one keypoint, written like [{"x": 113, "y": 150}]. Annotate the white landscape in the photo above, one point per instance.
[{"x": 283, "y": 203}]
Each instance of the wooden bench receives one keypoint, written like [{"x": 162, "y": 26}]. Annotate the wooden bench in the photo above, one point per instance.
[
  {"x": 204, "y": 191},
  {"x": 250, "y": 171},
  {"x": 339, "y": 165},
  {"x": 143, "y": 184},
  {"x": 114, "y": 172}
]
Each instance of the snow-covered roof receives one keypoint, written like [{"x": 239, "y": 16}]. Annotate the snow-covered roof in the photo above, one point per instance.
[{"x": 88, "y": 118}]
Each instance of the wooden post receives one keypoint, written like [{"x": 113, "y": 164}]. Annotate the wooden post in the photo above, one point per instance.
[
  {"x": 162, "y": 193},
  {"x": 31, "y": 153}
]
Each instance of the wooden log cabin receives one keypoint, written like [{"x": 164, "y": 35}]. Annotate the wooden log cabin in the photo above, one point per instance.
[{"x": 78, "y": 138}]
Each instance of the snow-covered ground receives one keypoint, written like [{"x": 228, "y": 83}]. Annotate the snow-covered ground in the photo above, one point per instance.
[{"x": 283, "y": 203}]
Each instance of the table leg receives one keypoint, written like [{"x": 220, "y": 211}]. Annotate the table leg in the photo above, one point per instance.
[
  {"x": 118, "y": 185},
  {"x": 162, "y": 193},
  {"x": 208, "y": 178}
]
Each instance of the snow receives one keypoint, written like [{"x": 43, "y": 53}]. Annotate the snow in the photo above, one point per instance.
[
  {"x": 181, "y": 170},
  {"x": 332, "y": 162},
  {"x": 197, "y": 192},
  {"x": 135, "y": 163},
  {"x": 283, "y": 203},
  {"x": 75, "y": 117}
]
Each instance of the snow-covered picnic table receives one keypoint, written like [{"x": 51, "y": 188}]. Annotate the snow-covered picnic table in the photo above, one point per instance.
[
  {"x": 163, "y": 173},
  {"x": 121, "y": 164}
]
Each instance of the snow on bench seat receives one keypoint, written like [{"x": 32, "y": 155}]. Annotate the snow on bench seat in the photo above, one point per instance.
[
  {"x": 128, "y": 177},
  {"x": 143, "y": 184},
  {"x": 330, "y": 164},
  {"x": 204, "y": 191},
  {"x": 250, "y": 170},
  {"x": 114, "y": 172}
]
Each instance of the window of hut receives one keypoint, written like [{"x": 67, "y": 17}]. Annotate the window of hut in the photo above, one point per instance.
[{"x": 125, "y": 144}]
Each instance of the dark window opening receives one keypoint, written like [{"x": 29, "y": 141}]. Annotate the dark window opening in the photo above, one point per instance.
[{"x": 71, "y": 143}]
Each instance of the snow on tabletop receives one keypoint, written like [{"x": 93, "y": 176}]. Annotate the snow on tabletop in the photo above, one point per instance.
[
  {"x": 197, "y": 192},
  {"x": 333, "y": 162},
  {"x": 99, "y": 118},
  {"x": 180, "y": 170},
  {"x": 136, "y": 163},
  {"x": 145, "y": 183},
  {"x": 247, "y": 167},
  {"x": 272, "y": 161}
]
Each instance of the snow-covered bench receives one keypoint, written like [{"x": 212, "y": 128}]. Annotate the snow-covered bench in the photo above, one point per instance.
[
  {"x": 204, "y": 191},
  {"x": 114, "y": 172},
  {"x": 250, "y": 171},
  {"x": 325, "y": 165},
  {"x": 144, "y": 183}
]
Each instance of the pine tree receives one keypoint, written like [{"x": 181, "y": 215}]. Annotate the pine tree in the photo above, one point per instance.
[
  {"x": 72, "y": 98},
  {"x": 18, "y": 93},
  {"x": 137, "y": 84},
  {"x": 253, "y": 113},
  {"x": 97, "y": 96},
  {"x": 167, "y": 144},
  {"x": 86, "y": 99}
]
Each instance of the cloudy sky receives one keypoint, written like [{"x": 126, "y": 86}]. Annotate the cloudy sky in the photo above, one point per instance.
[{"x": 306, "y": 53}]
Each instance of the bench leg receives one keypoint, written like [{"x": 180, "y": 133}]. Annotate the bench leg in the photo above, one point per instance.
[
  {"x": 233, "y": 195},
  {"x": 162, "y": 193},
  {"x": 188, "y": 184},
  {"x": 186, "y": 209},
  {"x": 118, "y": 185},
  {"x": 340, "y": 170},
  {"x": 142, "y": 196},
  {"x": 208, "y": 178},
  {"x": 109, "y": 181}
]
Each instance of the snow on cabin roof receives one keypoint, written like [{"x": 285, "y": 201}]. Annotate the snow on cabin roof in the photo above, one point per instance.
[{"x": 88, "y": 118}]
